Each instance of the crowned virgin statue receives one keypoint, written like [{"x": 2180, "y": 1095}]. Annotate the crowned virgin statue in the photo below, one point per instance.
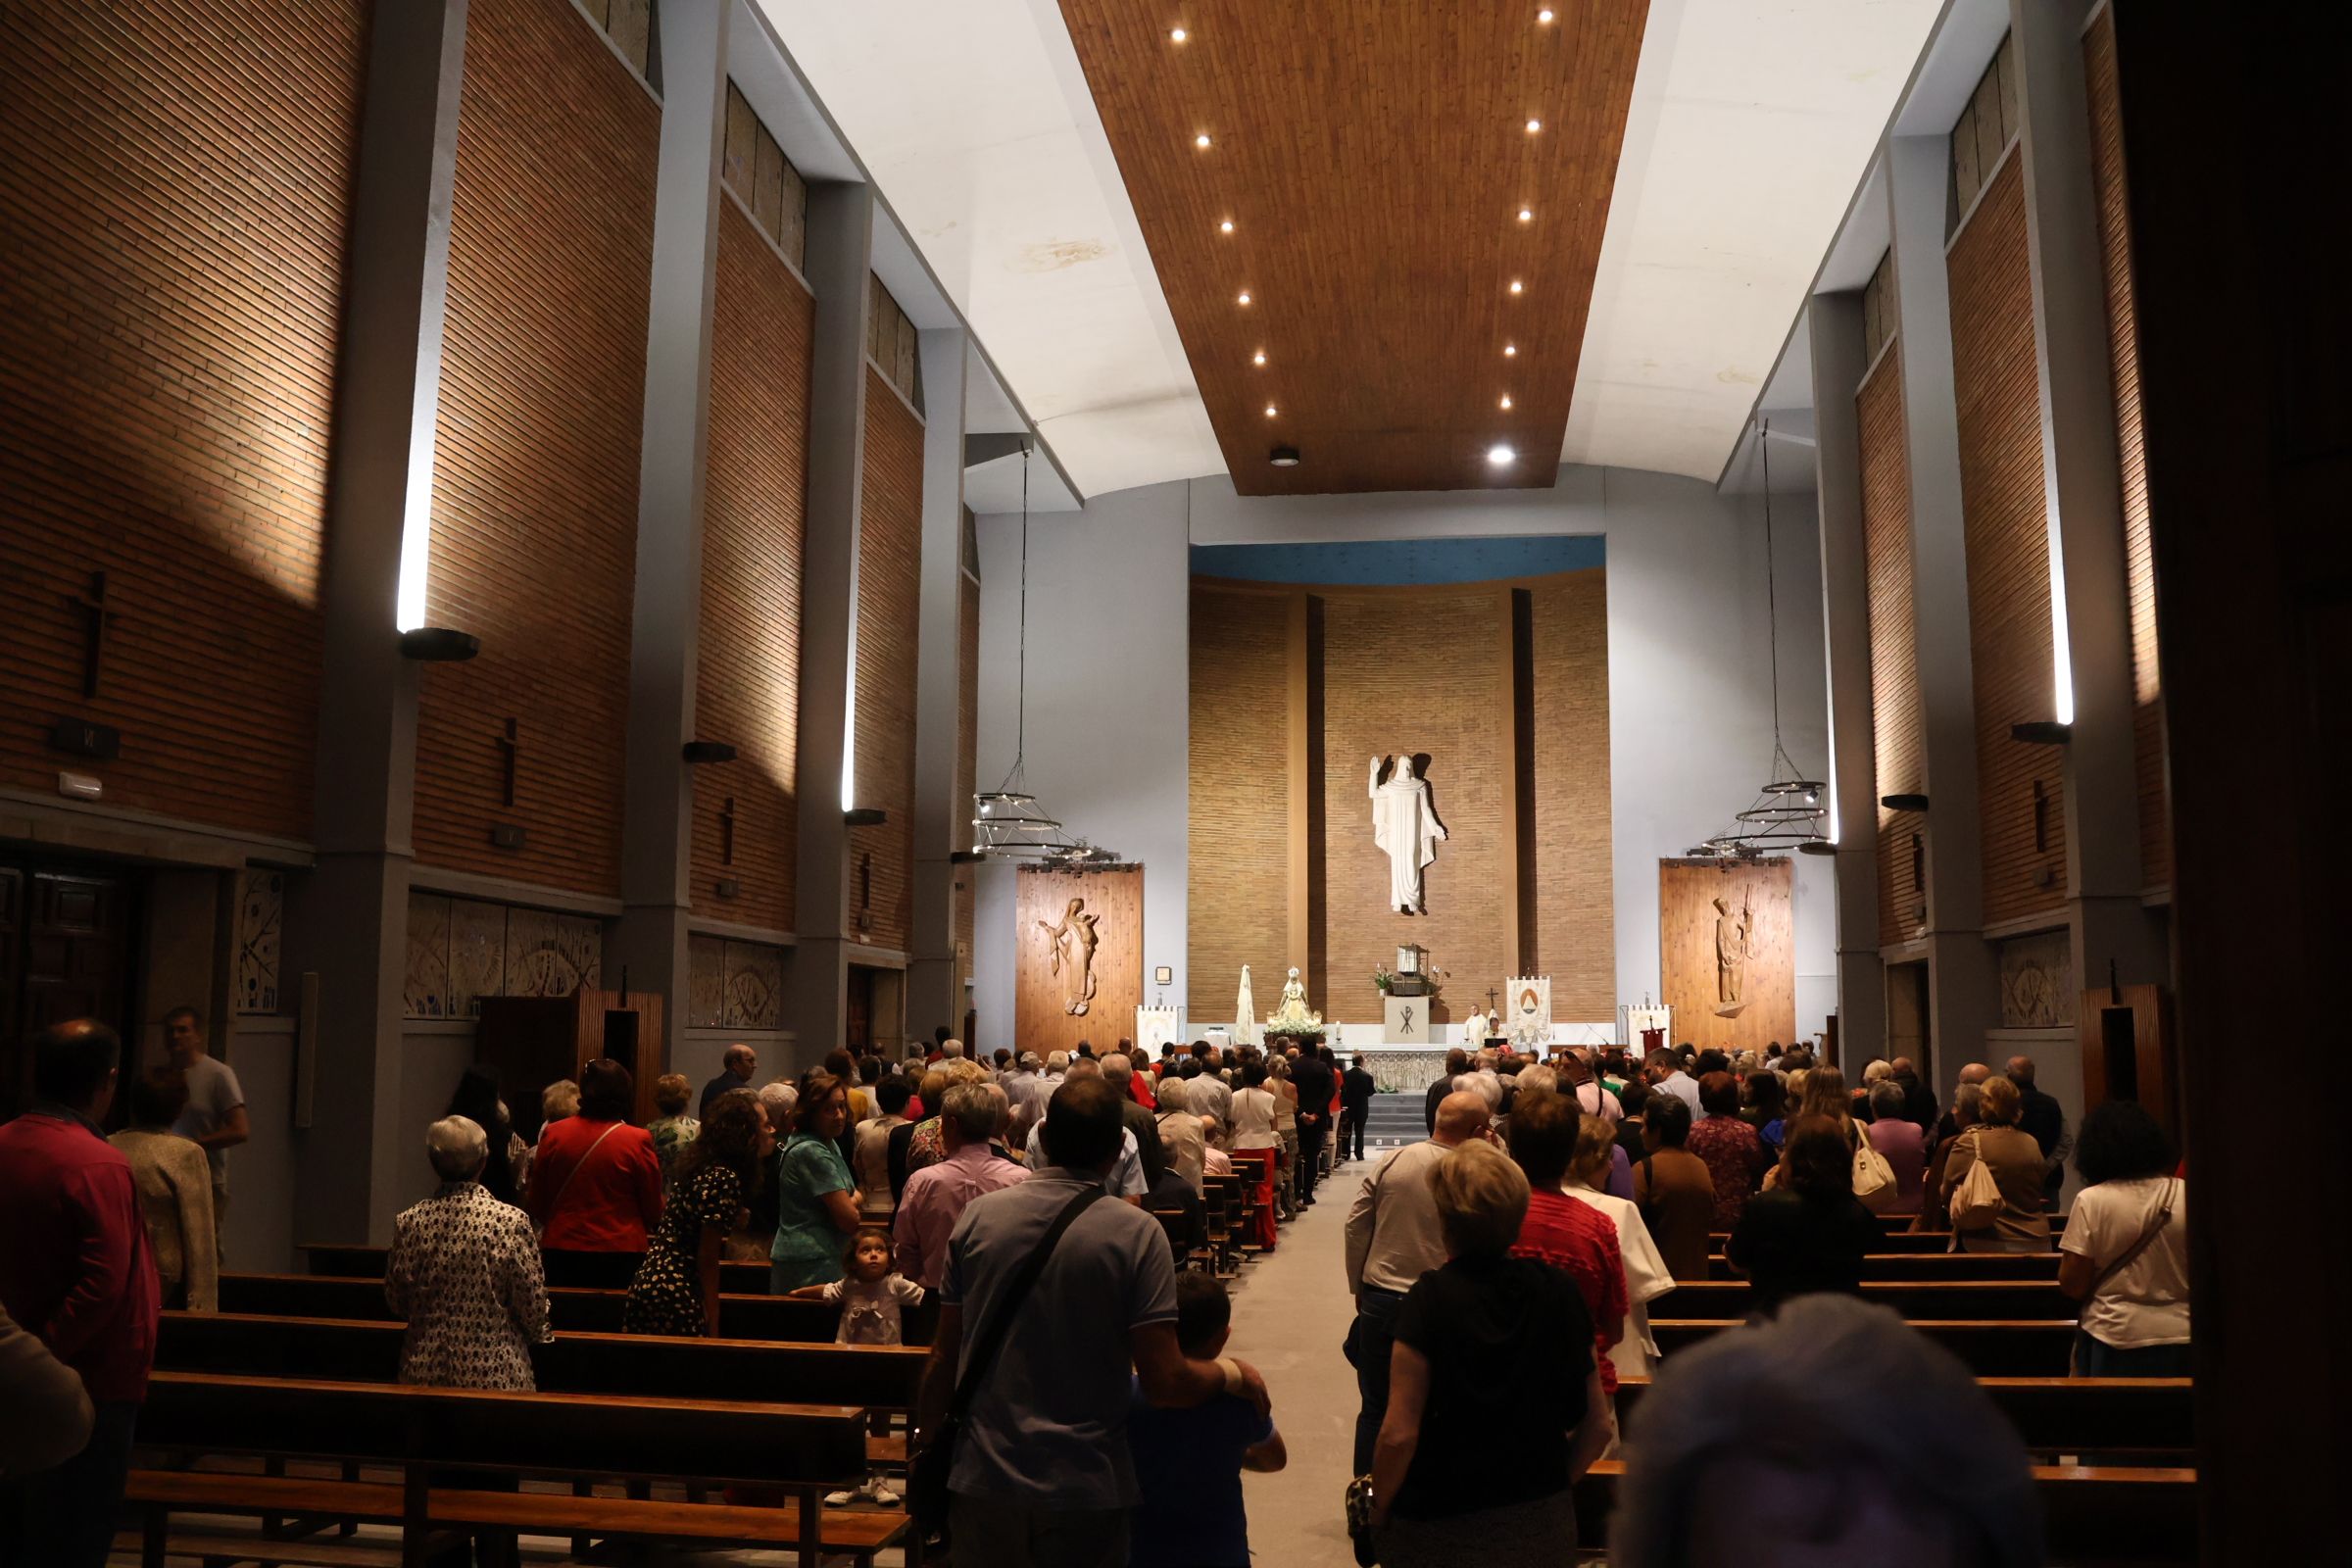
[{"x": 1292, "y": 1015}]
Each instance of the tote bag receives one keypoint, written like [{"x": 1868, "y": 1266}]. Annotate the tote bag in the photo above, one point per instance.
[{"x": 1874, "y": 1177}]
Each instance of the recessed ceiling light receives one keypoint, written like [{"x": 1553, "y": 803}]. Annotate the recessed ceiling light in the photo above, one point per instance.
[
  {"x": 1177, "y": 35},
  {"x": 1226, "y": 228},
  {"x": 1534, "y": 125},
  {"x": 1516, "y": 286},
  {"x": 1283, "y": 457},
  {"x": 1259, "y": 358},
  {"x": 1499, "y": 454},
  {"x": 1201, "y": 140},
  {"x": 1271, "y": 411},
  {"x": 1545, "y": 14},
  {"x": 1527, "y": 215},
  {"x": 1509, "y": 350},
  {"x": 1245, "y": 297},
  {"x": 1506, "y": 400}
]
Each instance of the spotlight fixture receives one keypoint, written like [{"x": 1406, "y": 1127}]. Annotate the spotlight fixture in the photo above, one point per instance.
[
  {"x": 439, "y": 645},
  {"x": 1499, "y": 454},
  {"x": 1544, "y": 16},
  {"x": 699, "y": 752},
  {"x": 1816, "y": 847},
  {"x": 1510, "y": 351},
  {"x": 1201, "y": 140},
  {"x": 1270, "y": 411},
  {"x": 1259, "y": 358},
  {"x": 1245, "y": 297},
  {"x": 1534, "y": 125},
  {"x": 1527, "y": 215},
  {"x": 1517, "y": 286},
  {"x": 1178, "y": 34},
  {"x": 865, "y": 817},
  {"x": 2042, "y": 732},
  {"x": 1507, "y": 401},
  {"x": 1908, "y": 802},
  {"x": 1226, "y": 228},
  {"x": 1283, "y": 457}
]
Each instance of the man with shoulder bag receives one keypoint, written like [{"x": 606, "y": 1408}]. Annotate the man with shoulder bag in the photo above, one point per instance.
[{"x": 1050, "y": 1297}]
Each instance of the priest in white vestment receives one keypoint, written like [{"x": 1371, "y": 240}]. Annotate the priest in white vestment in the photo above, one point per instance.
[{"x": 1404, "y": 826}]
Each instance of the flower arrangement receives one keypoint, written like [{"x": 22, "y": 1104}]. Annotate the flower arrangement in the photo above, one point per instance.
[{"x": 1382, "y": 980}]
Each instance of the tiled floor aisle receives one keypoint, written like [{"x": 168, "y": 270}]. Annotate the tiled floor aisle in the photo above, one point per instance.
[{"x": 1290, "y": 1313}]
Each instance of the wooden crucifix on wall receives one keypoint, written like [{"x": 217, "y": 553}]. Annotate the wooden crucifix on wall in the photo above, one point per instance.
[
  {"x": 510, "y": 748},
  {"x": 726, "y": 831},
  {"x": 96, "y": 617}
]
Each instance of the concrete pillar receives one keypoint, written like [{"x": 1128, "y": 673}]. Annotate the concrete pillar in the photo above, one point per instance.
[
  {"x": 1834, "y": 328},
  {"x": 840, "y": 260},
  {"x": 1963, "y": 997},
  {"x": 942, "y": 814},
  {"x": 348, "y": 919},
  {"x": 658, "y": 827},
  {"x": 2082, "y": 491}
]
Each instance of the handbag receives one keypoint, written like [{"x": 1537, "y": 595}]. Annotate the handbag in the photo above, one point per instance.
[
  {"x": 927, "y": 1476},
  {"x": 1976, "y": 1200},
  {"x": 1874, "y": 1177}
]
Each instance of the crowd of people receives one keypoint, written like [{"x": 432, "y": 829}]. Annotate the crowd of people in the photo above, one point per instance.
[{"x": 1045, "y": 1207}]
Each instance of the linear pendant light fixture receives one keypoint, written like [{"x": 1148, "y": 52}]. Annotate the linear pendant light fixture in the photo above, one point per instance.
[
  {"x": 1787, "y": 812},
  {"x": 1008, "y": 823}
]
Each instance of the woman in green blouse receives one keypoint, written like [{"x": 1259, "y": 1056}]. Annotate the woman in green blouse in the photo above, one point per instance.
[{"x": 816, "y": 1197}]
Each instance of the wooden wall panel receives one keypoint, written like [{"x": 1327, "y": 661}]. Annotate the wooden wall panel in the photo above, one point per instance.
[
  {"x": 890, "y": 545},
  {"x": 2112, "y": 191},
  {"x": 535, "y": 463},
  {"x": 1238, "y": 812},
  {"x": 1896, "y": 722},
  {"x": 173, "y": 198},
  {"x": 1406, "y": 670},
  {"x": 1572, "y": 896},
  {"x": 2021, "y": 799},
  {"x": 746, "y": 682},
  {"x": 1041, "y": 998},
  {"x": 1686, "y": 949}
]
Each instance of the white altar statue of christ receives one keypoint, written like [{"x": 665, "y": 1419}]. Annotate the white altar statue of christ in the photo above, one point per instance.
[{"x": 1404, "y": 826}]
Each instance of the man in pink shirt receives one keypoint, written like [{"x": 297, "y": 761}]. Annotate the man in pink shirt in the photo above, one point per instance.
[
  {"x": 75, "y": 1269},
  {"x": 936, "y": 1196}
]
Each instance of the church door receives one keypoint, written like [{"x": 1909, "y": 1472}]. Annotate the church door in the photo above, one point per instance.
[{"x": 65, "y": 952}]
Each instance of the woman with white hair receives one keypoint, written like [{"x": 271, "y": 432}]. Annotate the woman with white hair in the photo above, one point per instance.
[
  {"x": 1832, "y": 1433},
  {"x": 465, "y": 1271},
  {"x": 1494, "y": 1355}
]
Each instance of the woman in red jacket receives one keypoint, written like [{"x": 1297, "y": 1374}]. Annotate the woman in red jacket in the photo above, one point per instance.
[{"x": 596, "y": 1185}]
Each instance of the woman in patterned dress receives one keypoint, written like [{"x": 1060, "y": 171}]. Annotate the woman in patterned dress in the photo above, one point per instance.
[
  {"x": 676, "y": 1289},
  {"x": 465, "y": 1272}
]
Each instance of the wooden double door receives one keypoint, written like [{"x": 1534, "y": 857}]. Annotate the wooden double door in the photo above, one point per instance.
[{"x": 66, "y": 952}]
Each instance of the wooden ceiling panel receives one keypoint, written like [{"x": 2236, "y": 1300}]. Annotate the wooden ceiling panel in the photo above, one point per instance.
[{"x": 1373, "y": 156}]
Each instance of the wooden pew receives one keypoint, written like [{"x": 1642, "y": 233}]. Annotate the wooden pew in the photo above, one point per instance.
[
  {"x": 1898, "y": 1241},
  {"x": 2056, "y": 1415},
  {"x": 583, "y": 1311},
  {"x": 804, "y": 1449},
  {"x": 1925, "y": 1267},
  {"x": 2021, "y": 1349},
  {"x": 334, "y": 1260},
  {"x": 2089, "y": 1515},
  {"x": 2031, "y": 1301},
  {"x": 647, "y": 1366}
]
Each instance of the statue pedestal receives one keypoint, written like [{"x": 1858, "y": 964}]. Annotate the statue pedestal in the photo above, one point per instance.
[{"x": 1407, "y": 1020}]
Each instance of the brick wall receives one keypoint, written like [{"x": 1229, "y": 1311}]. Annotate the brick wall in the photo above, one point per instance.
[
  {"x": 1572, "y": 896},
  {"x": 173, "y": 195},
  {"x": 747, "y": 687},
  {"x": 535, "y": 466},
  {"x": 2112, "y": 190},
  {"x": 890, "y": 540},
  {"x": 1236, "y": 877},
  {"x": 1452, "y": 702},
  {"x": 2006, "y": 527},
  {"x": 1894, "y": 711}
]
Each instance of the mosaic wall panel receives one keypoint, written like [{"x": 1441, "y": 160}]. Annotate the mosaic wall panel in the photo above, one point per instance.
[
  {"x": 2037, "y": 988},
  {"x": 261, "y": 923},
  {"x": 754, "y": 985},
  {"x": 463, "y": 949},
  {"x": 705, "y": 982}
]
